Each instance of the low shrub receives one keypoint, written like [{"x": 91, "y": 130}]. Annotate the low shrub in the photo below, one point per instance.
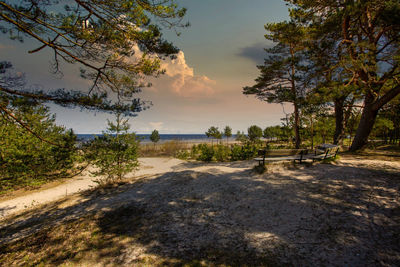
[
  {"x": 206, "y": 152},
  {"x": 222, "y": 153},
  {"x": 183, "y": 154}
]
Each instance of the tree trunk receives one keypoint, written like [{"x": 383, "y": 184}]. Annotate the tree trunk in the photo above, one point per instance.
[
  {"x": 297, "y": 126},
  {"x": 367, "y": 121},
  {"x": 312, "y": 132}
]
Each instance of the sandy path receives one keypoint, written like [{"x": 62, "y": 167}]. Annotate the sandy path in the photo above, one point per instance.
[{"x": 149, "y": 166}]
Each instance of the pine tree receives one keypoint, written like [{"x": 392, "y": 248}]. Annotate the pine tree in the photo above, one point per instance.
[
  {"x": 227, "y": 133},
  {"x": 115, "y": 153},
  {"x": 282, "y": 77},
  {"x": 369, "y": 41},
  {"x": 155, "y": 137},
  {"x": 115, "y": 43},
  {"x": 25, "y": 159}
]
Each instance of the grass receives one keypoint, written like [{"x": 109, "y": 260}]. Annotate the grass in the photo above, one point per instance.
[{"x": 167, "y": 149}]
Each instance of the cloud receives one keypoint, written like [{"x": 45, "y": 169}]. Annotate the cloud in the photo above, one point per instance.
[
  {"x": 181, "y": 79},
  {"x": 254, "y": 52},
  {"x": 156, "y": 125}
]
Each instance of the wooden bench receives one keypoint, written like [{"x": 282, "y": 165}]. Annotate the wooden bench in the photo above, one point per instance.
[
  {"x": 327, "y": 151},
  {"x": 281, "y": 155},
  {"x": 322, "y": 152}
]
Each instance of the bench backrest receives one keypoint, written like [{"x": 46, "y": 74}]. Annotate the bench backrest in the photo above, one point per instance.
[{"x": 281, "y": 152}]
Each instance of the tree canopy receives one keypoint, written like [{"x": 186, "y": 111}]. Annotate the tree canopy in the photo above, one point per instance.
[
  {"x": 155, "y": 136},
  {"x": 115, "y": 43},
  {"x": 336, "y": 53}
]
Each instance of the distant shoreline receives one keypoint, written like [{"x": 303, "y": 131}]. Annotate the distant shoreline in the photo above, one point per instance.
[{"x": 145, "y": 138}]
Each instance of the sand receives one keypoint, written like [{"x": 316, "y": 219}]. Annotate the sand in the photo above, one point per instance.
[
  {"x": 148, "y": 166},
  {"x": 341, "y": 214}
]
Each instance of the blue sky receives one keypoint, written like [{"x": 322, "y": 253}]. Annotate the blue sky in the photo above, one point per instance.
[{"x": 203, "y": 87}]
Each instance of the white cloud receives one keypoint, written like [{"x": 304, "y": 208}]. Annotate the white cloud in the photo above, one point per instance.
[
  {"x": 181, "y": 79},
  {"x": 156, "y": 125}
]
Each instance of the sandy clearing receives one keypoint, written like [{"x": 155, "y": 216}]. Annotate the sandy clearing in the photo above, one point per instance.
[
  {"x": 148, "y": 166},
  {"x": 341, "y": 214}
]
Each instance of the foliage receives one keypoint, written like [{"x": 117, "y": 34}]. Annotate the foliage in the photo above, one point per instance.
[
  {"x": 227, "y": 132},
  {"x": 26, "y": 160},
  {"x": 116, "y": 44},
  {"x": 115, "y": 153},
  {"x": 244, "y": 152},
  {"x": 214, "y": 133},
  {"x": 283, "y": 75},
  {"x": 367, "y": 45},
  {"x": 221, "y": 153},
  {"x": 183, "y": 154},
  {"x": 241, "y": 137},
  {"x": 206, "y": 152},
  {"x": 155, "y": 137},
  {"x": 254, "y": 133},
  {"x": 382, "y": 127}
]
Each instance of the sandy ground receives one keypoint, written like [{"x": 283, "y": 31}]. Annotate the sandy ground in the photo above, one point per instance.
[
  {"x": 148, "y": 166},
  {"x": 341, "y": 214}
]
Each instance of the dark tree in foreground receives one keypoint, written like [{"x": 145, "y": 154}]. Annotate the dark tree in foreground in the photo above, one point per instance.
[{"x": 115, "y": 43}]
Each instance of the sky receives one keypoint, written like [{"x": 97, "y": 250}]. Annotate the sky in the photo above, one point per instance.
[{"x": 202, "y": 87}]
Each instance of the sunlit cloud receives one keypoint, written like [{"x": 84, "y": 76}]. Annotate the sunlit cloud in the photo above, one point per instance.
[{"x": 181, "y": 79}]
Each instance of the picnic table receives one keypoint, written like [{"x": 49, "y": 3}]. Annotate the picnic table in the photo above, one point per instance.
[{"x": 322, "y": 152}]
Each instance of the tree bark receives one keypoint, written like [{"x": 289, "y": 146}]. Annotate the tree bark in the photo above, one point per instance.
[
  {"x": 296, "y": 126},
  {"x": 368, "y": 117},
  {"x": 367, "y": 121}
]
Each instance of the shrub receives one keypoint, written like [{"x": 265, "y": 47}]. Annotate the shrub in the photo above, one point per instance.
[
  {"x": 183, "y": 154},
  {"x": 222, "y": 153},
  {"x": 206, "y": 152},
  {"x": 236, "y": 152}
]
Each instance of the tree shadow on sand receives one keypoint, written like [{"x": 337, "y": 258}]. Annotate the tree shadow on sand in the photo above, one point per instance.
[{"x": 324, "y": 215}]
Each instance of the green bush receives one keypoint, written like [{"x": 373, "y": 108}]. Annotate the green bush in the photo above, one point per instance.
[
  {"x": 236, "y": 152},
  {"x": 222, "y": 153},
  {"x": 183, "y": 154},
  {"x": 25, "y": 160},
  {"x": 206, "y": 152}
]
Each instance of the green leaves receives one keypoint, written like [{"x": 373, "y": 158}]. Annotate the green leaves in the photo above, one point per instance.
[
  {"x": 254, "y": 133},
  {"x": 115, "y": 153},
  {"x": 24, "y": 159},
  {"x": 214, "y": 133},
  {"x": 116, "y": 43},
  {"x": 155, "y": 137}
]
